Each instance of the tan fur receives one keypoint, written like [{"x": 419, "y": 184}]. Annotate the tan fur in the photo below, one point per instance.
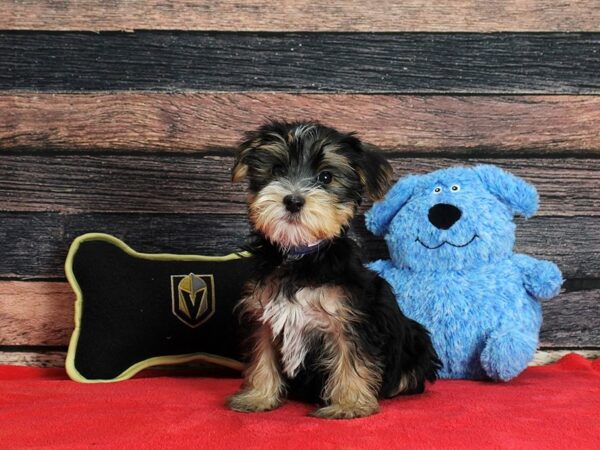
[
  {"x": 320, "y": 218},
  {"x": 263, "y": 387},
  {"x": 352, "y": 387},
  {"x": 408, "y": 382}
]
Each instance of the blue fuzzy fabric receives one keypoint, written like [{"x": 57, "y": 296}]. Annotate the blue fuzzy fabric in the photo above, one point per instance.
[{"x": 479, "y": 300}]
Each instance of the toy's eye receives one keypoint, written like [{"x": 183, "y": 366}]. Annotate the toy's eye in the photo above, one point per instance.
[
  {"x": 455, "y": 188},
  {"x": 278, "y": 170},
  {"x": 437, "y": 190},
  {"x": 325, "y": 177}
]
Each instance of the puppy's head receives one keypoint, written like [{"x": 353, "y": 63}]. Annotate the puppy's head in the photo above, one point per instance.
[{"x": 306, "y": 180}]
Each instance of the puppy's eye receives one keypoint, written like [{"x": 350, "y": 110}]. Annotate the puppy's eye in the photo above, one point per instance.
[
  {"x": 325, "y": 177},
  {"x": 437, "y": 190},
  {"x": 278, "y": 170},
  {"x": 455, "y": 188}
]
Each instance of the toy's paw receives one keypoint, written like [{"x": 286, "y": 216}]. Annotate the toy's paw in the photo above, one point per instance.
[
  {"x": 380, "y": 266},
  {"x": 253, "y": 400},
  {"x": 506, "y": 354},
  {"x": 337, "y": 411}
]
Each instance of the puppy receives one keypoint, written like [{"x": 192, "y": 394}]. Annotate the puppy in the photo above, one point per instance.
[{"x": 322, "y": 326}]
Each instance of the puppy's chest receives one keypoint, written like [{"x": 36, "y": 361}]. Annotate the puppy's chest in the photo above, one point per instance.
[{"x": 296, "y": 320}]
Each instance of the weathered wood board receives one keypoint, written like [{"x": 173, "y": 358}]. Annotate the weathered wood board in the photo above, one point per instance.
[
  {"x": 132, "y": 133},
  {"x": 41, "y": 313},
  {"x": 303, "y": 62},
  {"x": 302, "y": 15},
  {"x": 194, "y": 122},
  {"x": 188, "y": 184},
  {"x": 37, "y": 243}
]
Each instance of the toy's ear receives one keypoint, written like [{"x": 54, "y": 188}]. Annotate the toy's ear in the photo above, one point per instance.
[
  {"x": 380, "y": 215},
  {"x": 520, "y": 196}
]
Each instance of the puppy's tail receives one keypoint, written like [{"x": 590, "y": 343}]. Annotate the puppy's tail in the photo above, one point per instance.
[
  {"x": 417, "y": 363},
  {"x": 428, "y": 363}
]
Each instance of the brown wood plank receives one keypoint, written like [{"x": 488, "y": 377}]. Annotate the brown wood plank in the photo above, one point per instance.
[
  {"x": 303, "y": 15},
  {"x": 184, "y": 184},
  {"x": 57, "y": 359},
  {"x": 192, "y": 122},
  {"x": 41, "y": 313},
  {"x": 33, "y": 358}
]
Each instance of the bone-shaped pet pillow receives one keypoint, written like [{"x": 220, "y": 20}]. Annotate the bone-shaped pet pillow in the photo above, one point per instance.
[{"x": 136, "y": 310}]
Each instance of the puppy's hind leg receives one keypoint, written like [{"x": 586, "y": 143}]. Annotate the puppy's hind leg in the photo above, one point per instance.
[{"x": 263, "y": 385}]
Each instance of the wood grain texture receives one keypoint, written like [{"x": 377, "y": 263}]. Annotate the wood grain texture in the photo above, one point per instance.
[
  {"x": 302, "y": 62},
  {"x": 35, "y": 244},
  {"x": 193, "y": 122},
  {"x": 572, "y": 320},
  {"x": 33, "y": 358},
  {"x": 41, "y": 313},
  {"x": 57, "y": 359},
  {"x": 302, "y": 15},
  {"x": 189, "y": 184}
]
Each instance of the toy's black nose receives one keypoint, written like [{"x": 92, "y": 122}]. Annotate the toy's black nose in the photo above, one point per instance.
[
  {"x": 293, "y": 203},
  {"x": 443, "y": 216}
]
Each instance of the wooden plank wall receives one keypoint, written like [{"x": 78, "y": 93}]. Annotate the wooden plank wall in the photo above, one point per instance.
[{"x": 122, "y": 116}]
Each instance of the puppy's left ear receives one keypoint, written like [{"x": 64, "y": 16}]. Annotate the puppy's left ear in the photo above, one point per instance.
[
  {"x": 521, "y": 197},
  {"x": 373, "y": 169}
]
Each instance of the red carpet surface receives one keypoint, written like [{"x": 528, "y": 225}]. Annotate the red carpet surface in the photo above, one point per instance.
[{"x": 556, "y": 406}]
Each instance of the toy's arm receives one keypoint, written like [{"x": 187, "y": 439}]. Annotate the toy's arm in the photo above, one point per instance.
[{"x": 542, "y": 279}]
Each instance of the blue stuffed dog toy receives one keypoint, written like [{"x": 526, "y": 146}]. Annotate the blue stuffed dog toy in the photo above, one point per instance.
[{"x": 450, "y": 235}]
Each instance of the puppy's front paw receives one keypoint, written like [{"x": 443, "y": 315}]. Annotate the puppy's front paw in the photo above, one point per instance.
[
  {"x": 336, "y": 411},
  {"x": 253, "y": 400}
]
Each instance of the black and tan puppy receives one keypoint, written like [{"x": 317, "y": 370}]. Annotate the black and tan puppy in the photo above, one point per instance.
[{"x": 322, "y": 326}]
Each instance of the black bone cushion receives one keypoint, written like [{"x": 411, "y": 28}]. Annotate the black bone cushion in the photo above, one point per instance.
[{"x": 126, "y": 318}]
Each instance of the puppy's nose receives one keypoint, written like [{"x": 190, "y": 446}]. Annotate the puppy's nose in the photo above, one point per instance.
[
  {"x": 443, "y": 216},
  {"x": 293, "y": 203}
]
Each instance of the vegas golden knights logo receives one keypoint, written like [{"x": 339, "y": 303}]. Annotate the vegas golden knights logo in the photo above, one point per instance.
[{"x": 193, "y": 298}]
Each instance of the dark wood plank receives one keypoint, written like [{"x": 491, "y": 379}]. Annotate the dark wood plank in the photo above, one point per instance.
[
  {"x": 355, "y": 62},
  {"x": 572, "y": 320},
  {"x": 299, "y": 15},
  {"x": 41, "y": 313},
  {"x": 192, "y": 122},
  {"x": 190, "y": 184},
  {"x": 35, "y": 244}
]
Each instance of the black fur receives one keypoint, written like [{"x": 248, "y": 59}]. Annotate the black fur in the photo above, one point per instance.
[{"x": 400, "y": 344}]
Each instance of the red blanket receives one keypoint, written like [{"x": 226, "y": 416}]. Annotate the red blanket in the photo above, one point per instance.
[{"x": 556, "y": 406}]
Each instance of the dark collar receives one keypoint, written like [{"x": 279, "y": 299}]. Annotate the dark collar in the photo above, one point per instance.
[{"x": 296, "y": 253}]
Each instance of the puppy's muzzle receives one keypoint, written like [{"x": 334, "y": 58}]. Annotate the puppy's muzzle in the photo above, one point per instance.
[
  {"x": 443, "y": 215},
  {"x": 293, "y": 203}
]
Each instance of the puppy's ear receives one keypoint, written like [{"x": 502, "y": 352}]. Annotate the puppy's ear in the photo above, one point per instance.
[
  {"x": 520, "y": 196},
  {"x": 240, "y": 165},
  {"x": 373, "y": 169},
  {"x": 379, "y": 217}
]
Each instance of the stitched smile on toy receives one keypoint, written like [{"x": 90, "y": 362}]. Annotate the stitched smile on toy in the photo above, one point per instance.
[
  {"x": 446, "y": 242},
  {"x": 443, "y": 216}
]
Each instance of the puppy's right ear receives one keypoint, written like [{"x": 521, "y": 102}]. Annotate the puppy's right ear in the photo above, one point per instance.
[
  {"x": 381, "y": 214},
  {"x": 240, "y": 165}
]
